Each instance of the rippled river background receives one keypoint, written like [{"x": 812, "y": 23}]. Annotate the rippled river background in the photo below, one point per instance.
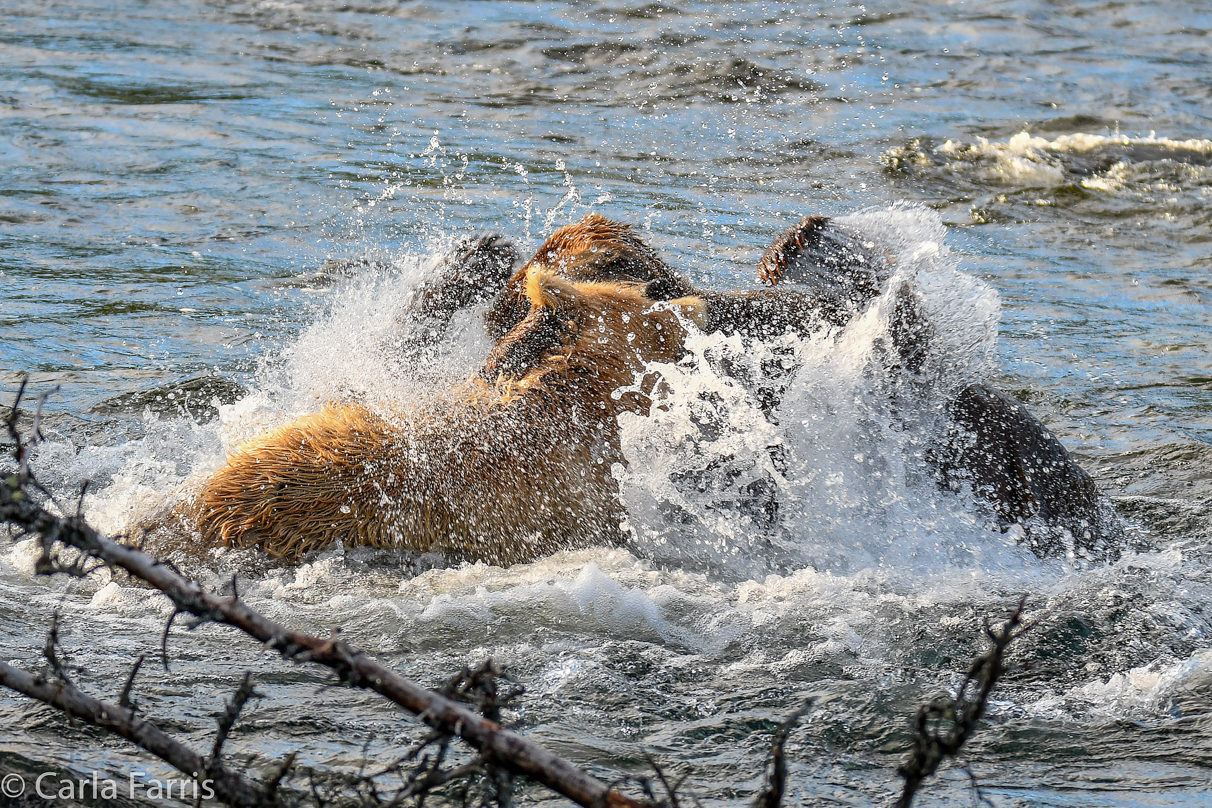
[{"x": 210, "y": 211}]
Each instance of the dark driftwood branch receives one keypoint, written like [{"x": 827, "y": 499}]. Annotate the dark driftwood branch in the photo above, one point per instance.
[
  {"x": 353, "y": 667},
  {"x": 231, "y": 712},
  {"x": 943, "y": 726},
  {"x": 772, "y": 795},
  {"x": 228, "y": 786}
]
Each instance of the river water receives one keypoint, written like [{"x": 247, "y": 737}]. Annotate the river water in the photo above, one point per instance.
[{"x": 211, "y": 213}]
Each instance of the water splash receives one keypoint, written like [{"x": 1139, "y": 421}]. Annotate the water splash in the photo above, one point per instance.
[{"x": 798, "y": 452}]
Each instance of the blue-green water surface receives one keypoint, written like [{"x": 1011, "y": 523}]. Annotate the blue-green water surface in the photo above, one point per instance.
[{"x": 184, "y": 188}]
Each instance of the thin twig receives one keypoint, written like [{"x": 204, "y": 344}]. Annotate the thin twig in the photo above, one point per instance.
[
  {"x": 231, "y": 713},
  {"x": 271, "y": 786},
  {"x": 80, "y": 501},
  {"x": 772, "y": 795},
  {"x": 50, "y": 650},
  {"x": 124, "y": 699},
  {"x": 672, "y": 799},
  {"x": 943, "y": 726},
  {"x": 168, "y": 624}
]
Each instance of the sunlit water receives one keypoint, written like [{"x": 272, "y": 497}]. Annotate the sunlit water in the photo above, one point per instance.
[{"x": 240, "y": 196}]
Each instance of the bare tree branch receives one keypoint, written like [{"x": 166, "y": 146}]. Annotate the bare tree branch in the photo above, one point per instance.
[
  {"x": 772, "y": 795},
  {"x": 352, "y": 666},
  {"x": 228, "y": 786},
  {"x": 943, "y": 726}
]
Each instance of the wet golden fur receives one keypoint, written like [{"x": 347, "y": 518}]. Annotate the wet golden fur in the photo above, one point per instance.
[{"x": 513, "y": 464}]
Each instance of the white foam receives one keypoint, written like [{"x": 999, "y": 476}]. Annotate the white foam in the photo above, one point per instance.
[
  {"x": 1021, "y": 159},
  {"x": 1158, "y": 688},
  {"x": 590, "y": 601},
  {"x": 1031, "y": 160}
]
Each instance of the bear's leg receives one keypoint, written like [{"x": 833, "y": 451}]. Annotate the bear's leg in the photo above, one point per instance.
[
  {"x": 477, "y": 269},
  {"x": 825, "y": 277}
]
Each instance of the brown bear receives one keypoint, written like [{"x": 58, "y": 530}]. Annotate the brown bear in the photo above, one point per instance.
[
  {"x": 992, "y": 443},
  {"x": 513, "y": 464},
  {"x": 596, "y": 250},
  {"x": 821, "y": 274}
]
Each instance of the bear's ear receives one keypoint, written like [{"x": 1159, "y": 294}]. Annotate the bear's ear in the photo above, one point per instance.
[
  {"x": 694, "y": 309},
  {"x": 548, "y": 290}
]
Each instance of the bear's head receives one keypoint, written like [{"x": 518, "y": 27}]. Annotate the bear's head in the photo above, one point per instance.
[
  {"x": 594, "y": 250},
  {"x": 602, "y": 335}
]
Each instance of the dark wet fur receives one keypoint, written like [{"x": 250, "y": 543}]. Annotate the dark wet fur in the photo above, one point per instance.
[
  {"x": 991, "y": 442},
  {"x": 475, "y": 271},
  {"x": 1010, "y": 459}
]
